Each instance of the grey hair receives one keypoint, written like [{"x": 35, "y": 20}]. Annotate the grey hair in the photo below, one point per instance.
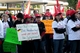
[{"x": 5, "y": 15}]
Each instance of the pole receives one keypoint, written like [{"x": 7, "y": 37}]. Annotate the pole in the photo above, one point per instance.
[
  {"x": 23, "y": 6},
  {"x": 7, "y": 6}
]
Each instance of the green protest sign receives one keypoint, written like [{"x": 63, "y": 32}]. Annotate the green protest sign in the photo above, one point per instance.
[
  {"x": 11, "y": 36},
  {"x": 9, "y": 47}
]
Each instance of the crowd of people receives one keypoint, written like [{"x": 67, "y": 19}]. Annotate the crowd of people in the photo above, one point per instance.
[{"x": 64, "y": 39}]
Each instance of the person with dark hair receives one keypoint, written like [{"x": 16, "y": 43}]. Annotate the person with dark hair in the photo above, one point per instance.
[
  {"x": 27, "y": 19},
  {"x": 74, "y": 30},
  {"x": 78, "y": 44},
  {"x": 47, "y": 15},
  {"x": 27, "y": 45},
  {"x": 47, "y": 10},
  {"x": 58, "y": 37},
  {"x": 10, "y": 19},
  {"x": 39, "y": 44},
  {"x": 19, "y": 21},
  {"x": 48, "y": 36},
  {"x": 35, "y": 11},
  {"x": 69, "y": 13}
]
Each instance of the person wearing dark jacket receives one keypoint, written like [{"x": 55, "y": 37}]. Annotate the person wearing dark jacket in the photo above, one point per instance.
[
  {"x": 48, "y": 36},
  {"x": 58, "y": 37},
  {"x": 10, "y": 19},
  {"x": 27, "y": 44},
  {"x": 19, "y": 21},
  {"x": 39, "y": 45}
]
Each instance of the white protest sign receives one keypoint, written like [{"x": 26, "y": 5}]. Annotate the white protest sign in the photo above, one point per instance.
[{"x": 28, "y": 32}]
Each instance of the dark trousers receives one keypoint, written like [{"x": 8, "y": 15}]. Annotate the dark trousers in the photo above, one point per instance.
[
  {"x": 39, "y": 46},
  {"x": 58, "y": 46},
  {"x": 49, "y": 43},
  {"x": 27, "y": 46},
  {"x": 1, "y": 46},
  {"x": 19, "y": 47},
  {"x": 75, "y": 46},
  {"x": 66, "y": 45}
]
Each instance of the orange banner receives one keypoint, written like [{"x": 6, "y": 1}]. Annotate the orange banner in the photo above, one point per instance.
[{"x": 48, "y": 26}]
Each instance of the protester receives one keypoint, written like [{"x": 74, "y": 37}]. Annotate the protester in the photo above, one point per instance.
[
  {"x": 6, "y": 24},
  {"x": 74, "y": 30},
  {"x": 19, "y": 21},
  {"x": 10, "y": 19},
  {"x": 69, "y": 13},
  {"x": 48, "y": 36},
  {"x": 39, "y": 45},
  {"x": 27, "y": 44},
  {"x": 47, "y": 15},
  {"x": 1, "y": 35},
  {"x": 58, "y": 37}
]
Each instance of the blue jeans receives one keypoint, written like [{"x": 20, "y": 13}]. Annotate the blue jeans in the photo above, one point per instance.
[
  {"x": 58, "y": 46},
  {"x": 75, "y": 46}
]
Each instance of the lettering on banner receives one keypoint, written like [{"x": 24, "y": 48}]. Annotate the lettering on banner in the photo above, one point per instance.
[{"x": 28, "y": 32}]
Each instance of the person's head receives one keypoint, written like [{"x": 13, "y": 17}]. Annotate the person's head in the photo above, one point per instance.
[
  {"x": 19, "y": 16},
  {"x": 58, "y": 16},
  {"x": 5, "y": 17},
  {"x": 48, "y": 15},
  {"x": 27, "y": 19},
  {"x": 42, "y": 14},
  {"x": 74, "y": 17},
  {"x": 32, "y": 19},
  {"x": 38, "y": 17},
  {"x": 78, "y": 15},
  {"x": 69, "y": 13},
  {"x": 47, "y": 10},
  {"x": 35, "y": 11}
]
